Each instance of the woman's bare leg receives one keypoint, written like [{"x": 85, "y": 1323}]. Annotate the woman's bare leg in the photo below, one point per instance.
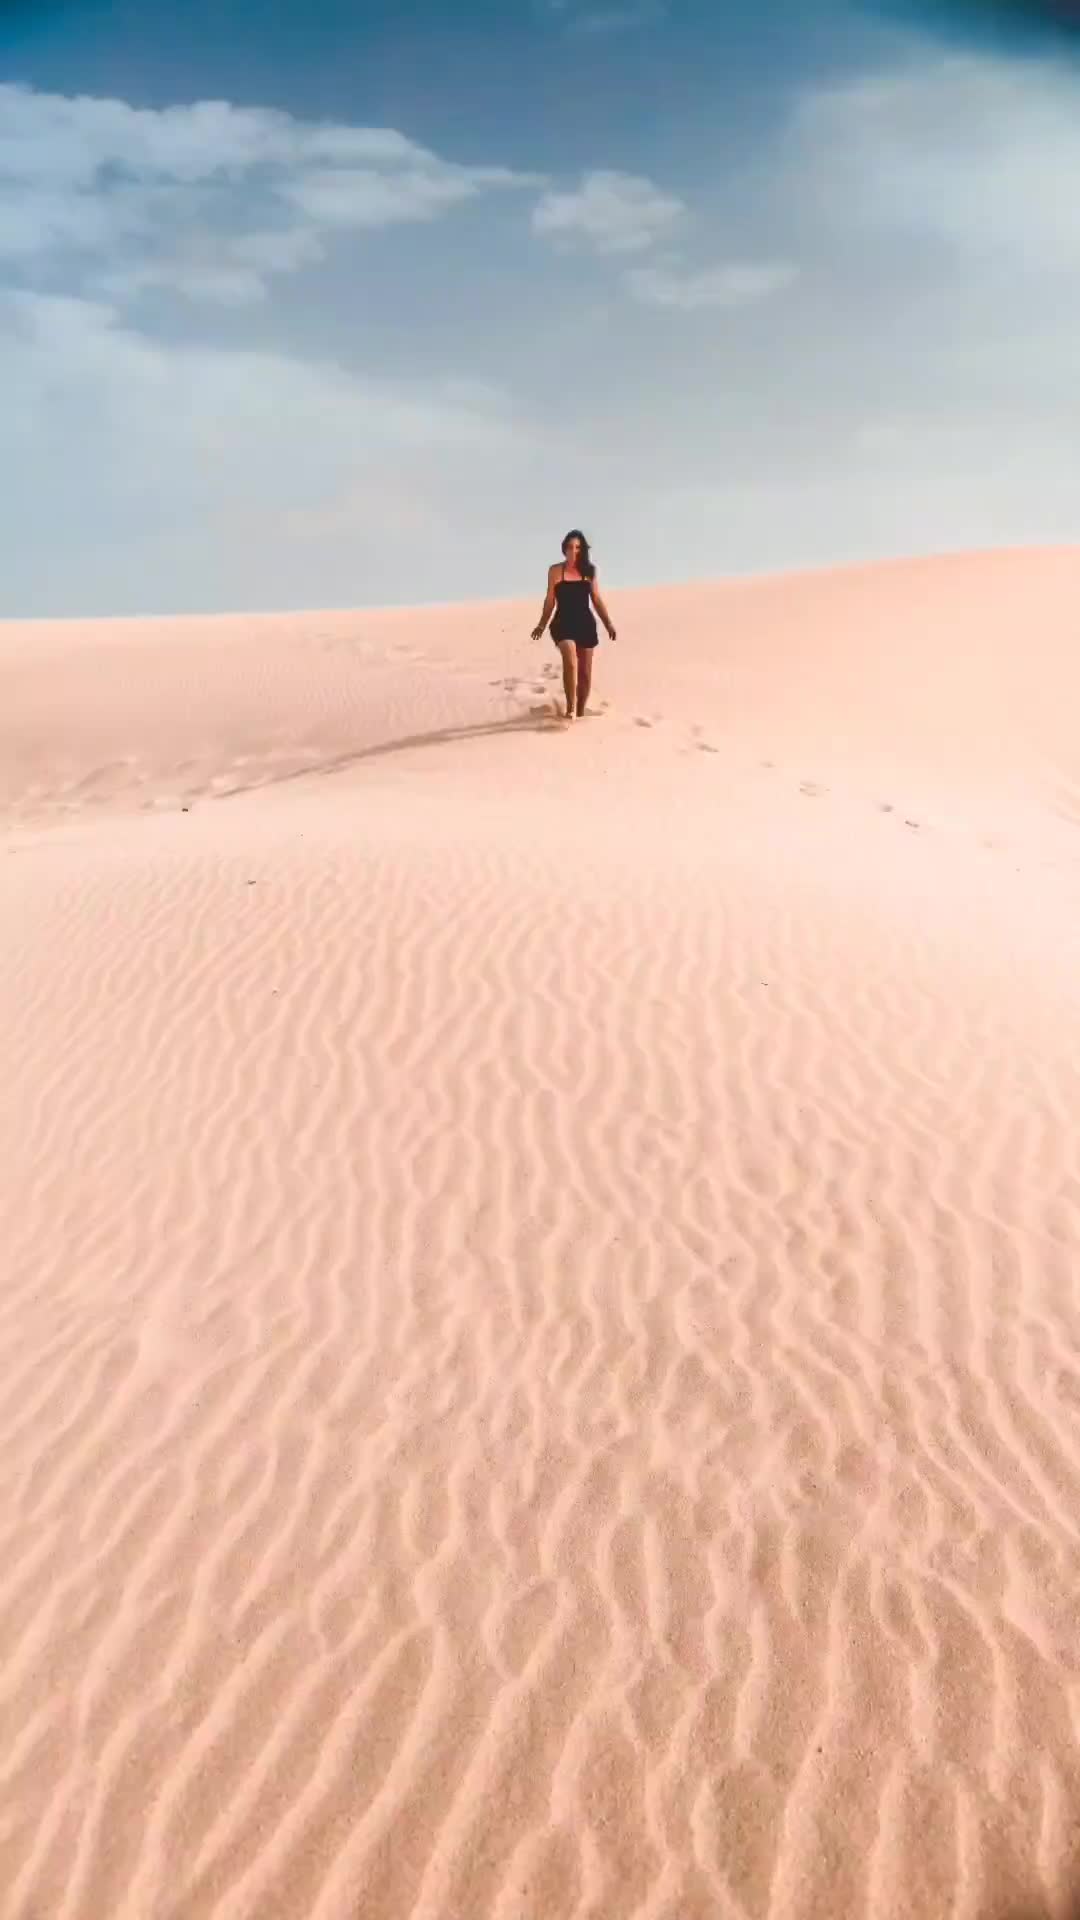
[
  {"x": 569, "y": 676},
  {"x": 584, "y": 678}
]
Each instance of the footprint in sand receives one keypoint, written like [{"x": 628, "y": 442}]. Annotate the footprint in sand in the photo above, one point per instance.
[{"x": 886, "y": 806}]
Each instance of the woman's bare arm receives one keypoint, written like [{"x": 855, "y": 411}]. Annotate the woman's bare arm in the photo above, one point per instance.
[
  {"x": 548, "y": 607},
  {"x": 598, "y": 603}
]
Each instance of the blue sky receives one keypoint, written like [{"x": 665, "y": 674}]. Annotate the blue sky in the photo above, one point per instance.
[{"x": 342, "y": 304}]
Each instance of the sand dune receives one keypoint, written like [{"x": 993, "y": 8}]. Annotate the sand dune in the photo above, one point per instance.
[{"x": 541, "y": 1346}]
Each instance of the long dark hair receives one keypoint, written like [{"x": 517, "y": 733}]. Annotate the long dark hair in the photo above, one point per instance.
[{"x": 585, "y": 563}]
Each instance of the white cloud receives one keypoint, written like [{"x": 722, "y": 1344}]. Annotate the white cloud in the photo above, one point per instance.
[
  {"x": 75, "y": 359},
  {"x": 980, "y": 152},
  {"x": 75, "y": 140},
  {"x": 613, "y": 212},
  {"x": 210, "y": 199},
  {"x": 56, "y": 219},
  {"x": 230, "y": 273},
  {"x": 689, "y": 290},
  {"x": 125, "y": 446},
  {"x": 362, "y": 197}
]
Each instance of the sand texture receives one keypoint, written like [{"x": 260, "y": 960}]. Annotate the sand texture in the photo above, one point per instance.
[{"x": 539, "y": 1296}]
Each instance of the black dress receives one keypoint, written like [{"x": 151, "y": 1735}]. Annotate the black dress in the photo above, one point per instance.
[{"x": 574, "y": 619}]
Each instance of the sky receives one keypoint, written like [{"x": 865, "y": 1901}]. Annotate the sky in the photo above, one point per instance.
[{"x": 310, "y": 303}]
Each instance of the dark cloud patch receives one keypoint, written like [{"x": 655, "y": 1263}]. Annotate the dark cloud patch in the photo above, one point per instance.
[{"x": 1006, "y": 25}]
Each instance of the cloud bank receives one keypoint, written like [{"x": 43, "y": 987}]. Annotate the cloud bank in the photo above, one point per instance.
[{"x": 211, "y": 199}]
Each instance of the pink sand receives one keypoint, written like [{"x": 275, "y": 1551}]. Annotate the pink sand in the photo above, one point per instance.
[{"x": 541, "y": 1357}]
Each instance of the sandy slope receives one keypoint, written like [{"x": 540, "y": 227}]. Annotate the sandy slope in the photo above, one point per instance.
[{"x": 541, "y": 1349}]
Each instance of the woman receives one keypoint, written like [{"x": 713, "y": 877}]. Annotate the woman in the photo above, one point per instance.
[{"x": 572, "y": 593}]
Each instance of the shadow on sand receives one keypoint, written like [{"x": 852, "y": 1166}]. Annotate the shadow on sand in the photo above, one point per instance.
[{"x": 536, "y": 720}]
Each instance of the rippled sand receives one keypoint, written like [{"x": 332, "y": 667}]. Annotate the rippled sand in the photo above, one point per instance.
[{"x": 541, "y": 1336}]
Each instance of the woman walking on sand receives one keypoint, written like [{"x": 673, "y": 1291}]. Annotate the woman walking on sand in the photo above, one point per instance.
[{"x": 572, "y": 593}]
